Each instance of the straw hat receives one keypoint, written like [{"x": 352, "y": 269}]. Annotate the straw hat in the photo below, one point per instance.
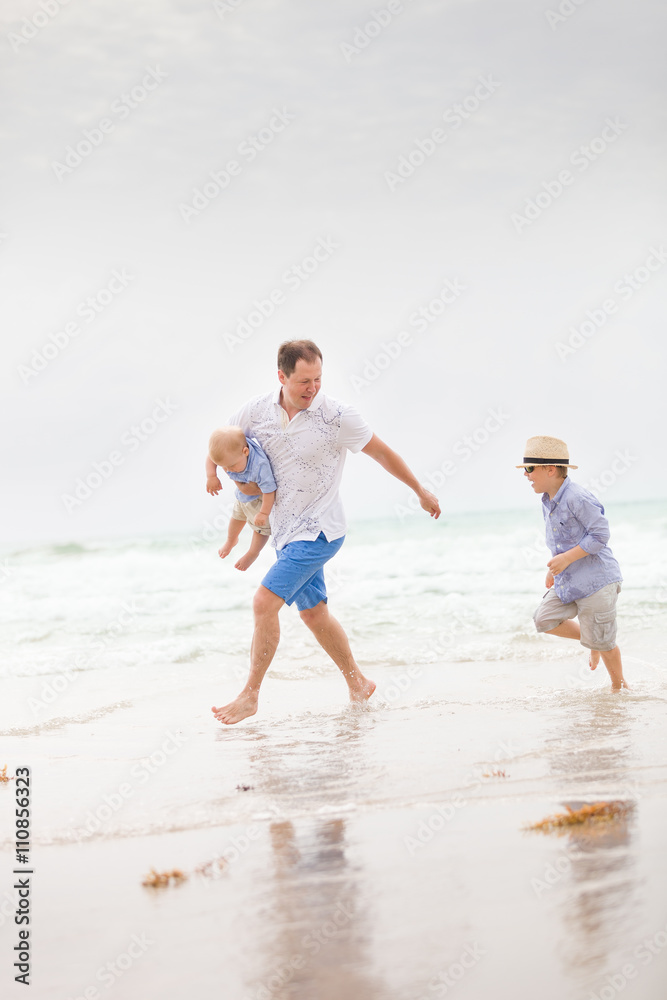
[{"x": 543, "y": 450}]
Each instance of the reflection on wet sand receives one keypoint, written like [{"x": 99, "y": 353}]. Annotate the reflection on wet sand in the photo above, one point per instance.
[
  {"x": 315, "y": 930},
  {"x": 597, "y": 864}
]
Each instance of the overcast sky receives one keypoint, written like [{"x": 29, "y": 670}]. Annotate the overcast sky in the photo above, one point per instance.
[{"x": 461, "y": 201}]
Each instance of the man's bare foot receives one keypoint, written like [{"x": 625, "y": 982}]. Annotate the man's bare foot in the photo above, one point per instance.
[
  {"x": 594, "y": 658},
  {"x": 245, "y": 561},
  {"x": 363, "y": 692},
  {"x": 619, "y": 687},
  {"x": 226, "y": 548},
  {"x": 241, "y": 708}
]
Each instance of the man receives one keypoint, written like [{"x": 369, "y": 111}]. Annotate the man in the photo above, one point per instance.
[{"x": 306, "y": 435}]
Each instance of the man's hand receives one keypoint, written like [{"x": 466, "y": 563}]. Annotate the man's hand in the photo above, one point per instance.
[
  {"x": 549, "y": 580},
  {"x": 213, "y": 485},
  {"x": 558, "y": 564},
  {"x": 249, "y": 489},
  {"x": 429, "y": 503}
]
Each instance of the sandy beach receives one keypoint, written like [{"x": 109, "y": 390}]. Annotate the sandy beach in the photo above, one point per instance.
[{"x": 377, "y": 853}]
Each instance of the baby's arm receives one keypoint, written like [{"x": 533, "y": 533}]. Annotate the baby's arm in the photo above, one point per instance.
[
  {"x": 266, "y": 508},
  {"x": 213, "y": 484}
]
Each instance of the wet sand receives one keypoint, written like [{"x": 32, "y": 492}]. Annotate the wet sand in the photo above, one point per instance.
[{"x": 374, "y": 853}]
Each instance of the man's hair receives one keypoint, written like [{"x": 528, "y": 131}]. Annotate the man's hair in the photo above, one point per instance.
[
  {"x": 562, "y": 471},
  {"x": 292, "y": 351}
]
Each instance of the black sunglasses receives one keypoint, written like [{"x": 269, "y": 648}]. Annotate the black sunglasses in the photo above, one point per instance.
[{"x": 529, "y": 468}]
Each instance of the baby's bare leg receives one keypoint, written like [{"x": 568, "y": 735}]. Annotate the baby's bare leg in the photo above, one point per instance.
[
  {"x": 233, "y": 531},
  {"x": 257, "y": 544}
]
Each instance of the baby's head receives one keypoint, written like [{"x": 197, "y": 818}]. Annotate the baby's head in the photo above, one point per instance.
[{"x": 229, "y": 449}]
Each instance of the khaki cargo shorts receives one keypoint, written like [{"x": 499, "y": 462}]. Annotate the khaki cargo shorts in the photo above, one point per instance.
[
  {"x": 248, "y": 512},
  {"x": 596, "y": 613}
]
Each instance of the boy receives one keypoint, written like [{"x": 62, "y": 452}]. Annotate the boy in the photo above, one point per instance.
[
  {"x": 583, "y": 577},
  {"x": 244, "y": 461}
]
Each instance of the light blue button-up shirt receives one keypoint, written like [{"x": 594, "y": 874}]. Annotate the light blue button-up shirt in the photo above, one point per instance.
[
  {"x": 576, "y": 517},
  {"x": 258, "y": 470}
]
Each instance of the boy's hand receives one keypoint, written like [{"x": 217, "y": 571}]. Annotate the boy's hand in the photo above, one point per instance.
[
  {"x": 549, "y": 580},
  {"x": 260, "y": 520},
  {"x": 558, "y": 564},
  {"x": 213, "y": 485}
]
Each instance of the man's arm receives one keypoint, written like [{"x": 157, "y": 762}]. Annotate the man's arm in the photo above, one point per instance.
[{"x": 395, "y": 466}]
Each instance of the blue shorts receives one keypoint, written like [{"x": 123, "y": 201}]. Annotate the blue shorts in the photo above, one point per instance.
[{"x": 298, "y": 574}]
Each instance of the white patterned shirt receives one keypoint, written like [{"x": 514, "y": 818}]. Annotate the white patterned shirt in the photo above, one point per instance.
[{"x": 307, "y": 457}]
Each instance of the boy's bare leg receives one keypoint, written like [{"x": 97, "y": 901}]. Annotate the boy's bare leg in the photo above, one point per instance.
[
  {"x": 256, "y": 545},
  {"x": 331, "y": 637},
  {"x": 266, "y": 606},
  {"x": 233, "y": 531},
  {"x": 612, "y": 661}
]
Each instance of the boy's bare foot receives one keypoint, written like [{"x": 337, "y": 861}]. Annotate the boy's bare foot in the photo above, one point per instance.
[
  {"x": 245, "y": 561},
  {"x": 594, "y": 658},
  {"x": 226, "y": 548},
  {"x": 363, "y": 692},
  {"x": 241, "y": 708},
  {"x": 619, "y": 687}
]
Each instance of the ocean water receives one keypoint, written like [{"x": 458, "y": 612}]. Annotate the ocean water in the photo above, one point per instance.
[{"x": 374, "y": 851}]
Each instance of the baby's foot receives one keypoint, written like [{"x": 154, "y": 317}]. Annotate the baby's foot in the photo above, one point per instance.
[
  {"x": 226, "y": 549},
  {"x": 245, "y": 561}
]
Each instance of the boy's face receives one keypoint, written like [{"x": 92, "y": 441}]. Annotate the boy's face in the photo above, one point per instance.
[
  {"x": 544, "y": 479},
  {"x": 301, "y": 387},
  {"x": 238, "y": 462}
]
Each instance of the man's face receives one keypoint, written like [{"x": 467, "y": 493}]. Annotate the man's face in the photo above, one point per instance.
[
  {"x": 544, "y": 479},
  {"x": 301, "y": 387}
]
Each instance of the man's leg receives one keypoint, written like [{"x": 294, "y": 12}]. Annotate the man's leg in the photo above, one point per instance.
[
  {"x": 333, "y": 640},
  {"x": 266, "y": 606},
  {"x": 256, "y": 545},
  {"x": 233, "y": 531}
]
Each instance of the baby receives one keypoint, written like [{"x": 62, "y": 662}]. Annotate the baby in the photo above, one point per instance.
[{"x": 244, "y": 461}]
